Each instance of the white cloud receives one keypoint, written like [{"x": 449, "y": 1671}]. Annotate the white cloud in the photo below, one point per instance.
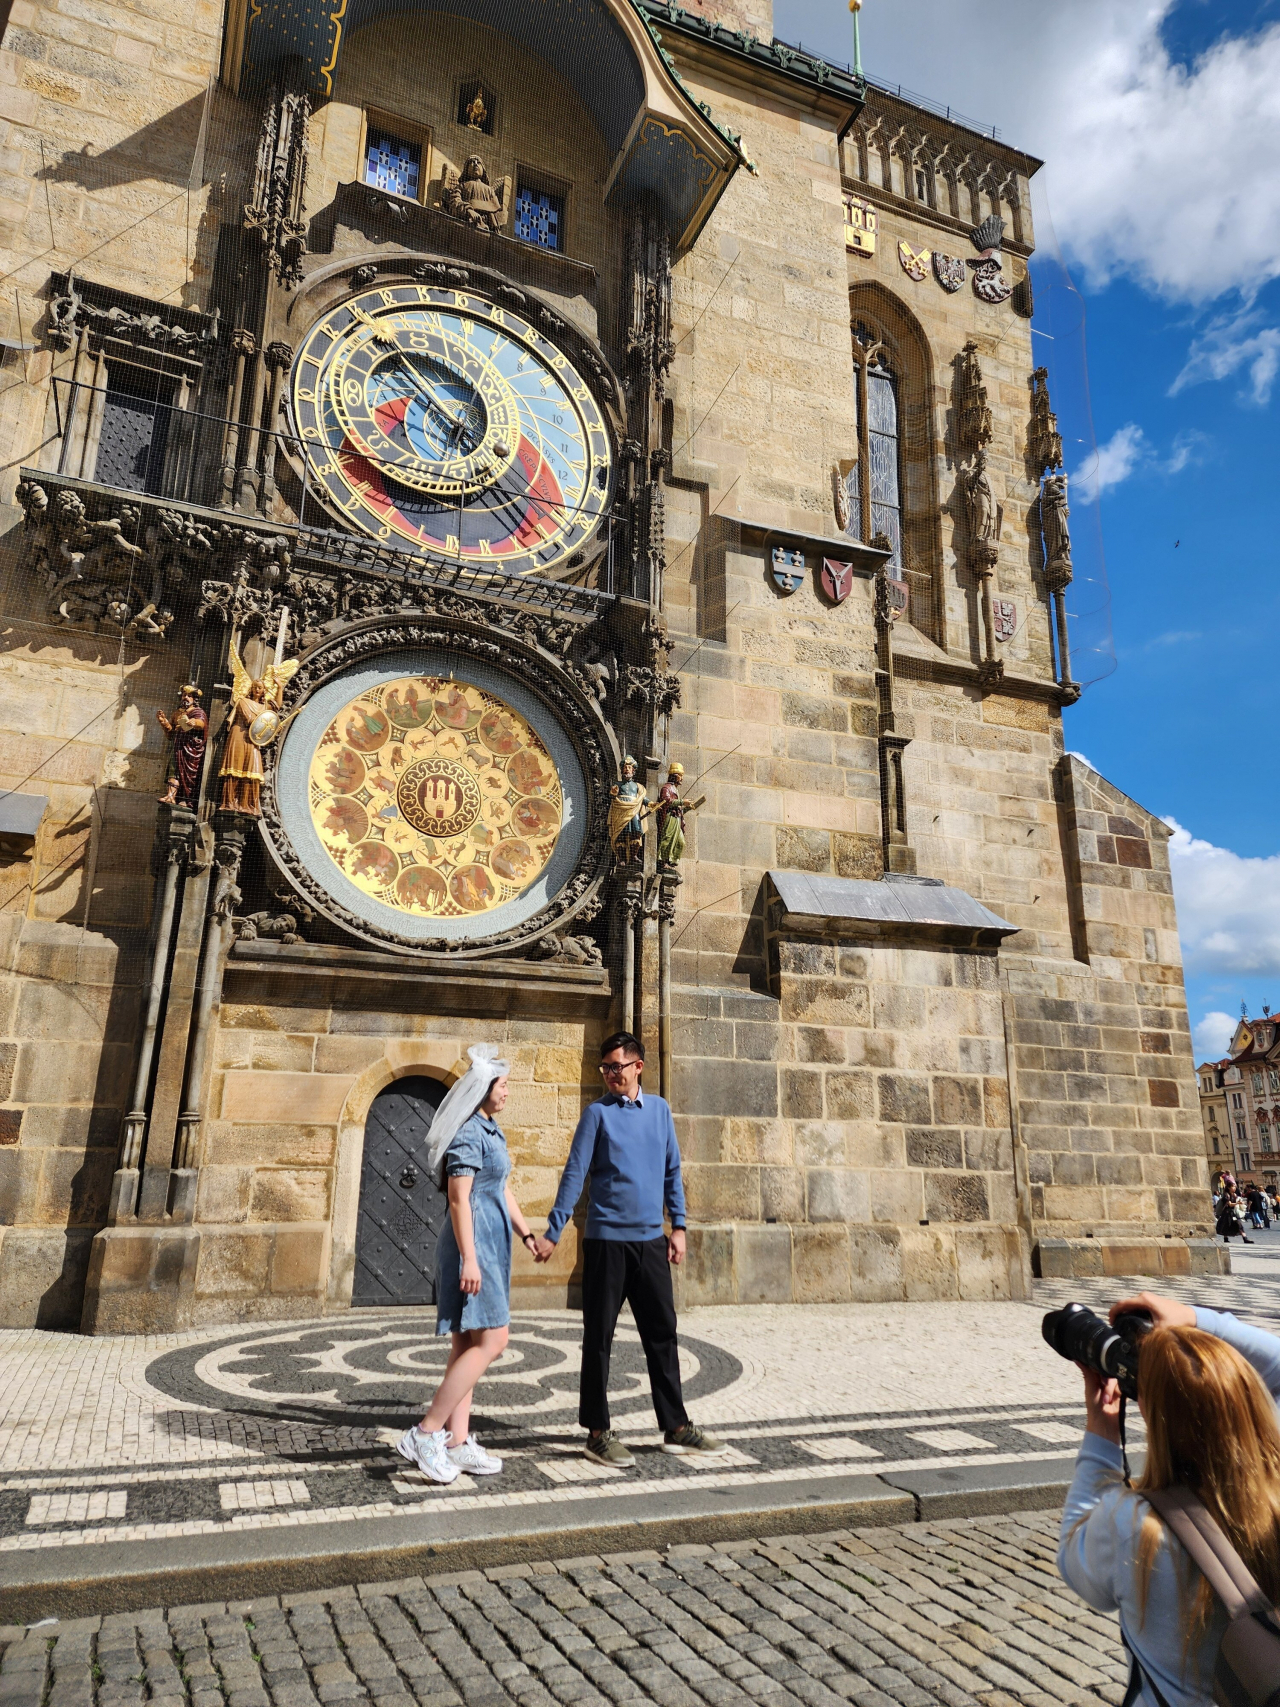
[
  {"x": 1228, "y": 344},
  {"x": 1072, "y": 754},
  {"x": 1112, "y": 463},
  {"x": 1211, "y": 1035},
  {"x": 1228, "y": 907},
  {"x": 1128, "y": 451},
  {"x": 1158, "y": 171}
]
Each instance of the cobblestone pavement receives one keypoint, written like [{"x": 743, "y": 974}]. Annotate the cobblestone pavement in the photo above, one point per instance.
[
  {"x": 953, "y": 1613},
  {"x": 285, "y": 1426}
]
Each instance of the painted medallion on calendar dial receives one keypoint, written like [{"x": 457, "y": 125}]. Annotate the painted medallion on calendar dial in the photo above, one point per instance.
[
  {"x": 435, "y": 797},
  {"x": 441, "y": 420}
]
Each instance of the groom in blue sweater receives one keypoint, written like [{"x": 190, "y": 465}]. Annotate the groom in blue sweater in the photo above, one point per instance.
[{"x": 626, "y": 1143}]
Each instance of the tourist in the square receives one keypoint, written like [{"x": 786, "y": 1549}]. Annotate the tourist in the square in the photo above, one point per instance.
[
  {"x": 625, "y": 1143},
  {"x": 1230, "y": 1221},
  {"x": 467, "y": 1153},
  {"x": 1208, "y": 1386}
]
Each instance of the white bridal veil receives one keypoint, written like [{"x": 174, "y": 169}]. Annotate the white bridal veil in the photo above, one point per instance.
[{"x": 461, "y": 1101}]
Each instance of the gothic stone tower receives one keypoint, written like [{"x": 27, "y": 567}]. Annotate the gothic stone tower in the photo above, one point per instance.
[{"x": 421, "y": 416}]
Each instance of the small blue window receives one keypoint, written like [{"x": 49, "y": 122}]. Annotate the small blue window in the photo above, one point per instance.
[
  {"x": 539, "y": 217},
  {"x": 392, "y": 164}
]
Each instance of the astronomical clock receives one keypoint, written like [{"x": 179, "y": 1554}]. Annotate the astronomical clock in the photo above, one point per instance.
[
  {"x": 445, "y": 420},
  {"x": 440, "y": 781}
]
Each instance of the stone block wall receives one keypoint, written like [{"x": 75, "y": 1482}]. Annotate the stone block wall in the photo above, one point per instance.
[
  {"x": 279, "y": 1181},
  {"x": 77, "y": 726},
  {"x": 1108, "y": 1110},
  {"x": 849, "y": 1137}
]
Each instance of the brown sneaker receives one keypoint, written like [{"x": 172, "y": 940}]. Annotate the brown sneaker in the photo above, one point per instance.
[
  {"x": 606, "y": 1448},
  {"x": 689, "y": 1438}
]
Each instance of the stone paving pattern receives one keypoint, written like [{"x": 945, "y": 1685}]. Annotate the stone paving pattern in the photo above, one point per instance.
[{"x": 927, "y": 1615}]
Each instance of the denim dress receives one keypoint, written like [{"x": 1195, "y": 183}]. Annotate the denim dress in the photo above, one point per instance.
[{"x": 478, "y": 1150}]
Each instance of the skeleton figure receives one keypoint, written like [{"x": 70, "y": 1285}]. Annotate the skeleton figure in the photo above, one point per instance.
[{"x": 471, "y": 197}]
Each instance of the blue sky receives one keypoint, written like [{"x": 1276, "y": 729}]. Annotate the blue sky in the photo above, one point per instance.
[{"x": 1159, "y": 122}]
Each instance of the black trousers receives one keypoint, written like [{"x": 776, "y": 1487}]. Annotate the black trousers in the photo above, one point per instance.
[{"x": 637, "y": 1271}]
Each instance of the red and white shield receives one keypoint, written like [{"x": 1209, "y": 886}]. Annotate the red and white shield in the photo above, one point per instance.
[
  {"x": 1005, "y": 613},
  {"x": 837, "y": 579}
]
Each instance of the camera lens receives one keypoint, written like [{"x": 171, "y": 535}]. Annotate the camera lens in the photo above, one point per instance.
[{"x": 1079, "y": 1335}]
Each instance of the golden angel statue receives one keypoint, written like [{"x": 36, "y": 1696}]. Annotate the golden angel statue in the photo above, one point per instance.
[{"x": 254, "y": 724}]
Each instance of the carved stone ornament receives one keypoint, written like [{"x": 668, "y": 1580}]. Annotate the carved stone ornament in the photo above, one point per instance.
[
  {"x": 915, "y": 262},
  {"x": 276, "y": 208},
  {"x": 1004, "y": 617},
  {"x": 468, "y": 195},
  {"x": 989, "y": 282},
  {"x": 949, "y": 271},
  {"x": 480, "y": 638},
  {"x": 1044, "y": 441},
  {"x": 1057, "y": 536},
  {"x": 71, "y": 309},
  {"x": 981, "y": 515},
  {"x": 109, "y": 570},
  {"x": 973, "y": 412}
]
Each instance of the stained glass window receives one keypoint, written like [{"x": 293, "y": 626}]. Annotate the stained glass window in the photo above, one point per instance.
[
  {"x": 392, "y": 164},
  {"x": 878, "y": 451},
  {"x": 539, "y": 216}
]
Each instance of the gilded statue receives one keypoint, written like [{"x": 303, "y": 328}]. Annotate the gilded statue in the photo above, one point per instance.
[
  {"x": 477, "y": 112},
  {"x": 628, "y": 809},
  {"x": 254, "y": 724},
  {"x": 189, "y": 726},
  {"x": 471, "y": 197},
  {"x": 672, "y": 812}
]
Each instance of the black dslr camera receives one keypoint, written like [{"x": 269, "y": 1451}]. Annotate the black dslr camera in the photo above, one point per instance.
[{"x": 1108, "y": 1348}]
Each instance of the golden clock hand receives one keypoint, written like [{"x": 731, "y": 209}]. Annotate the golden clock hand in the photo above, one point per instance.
[{"x": 380, "y": 334}]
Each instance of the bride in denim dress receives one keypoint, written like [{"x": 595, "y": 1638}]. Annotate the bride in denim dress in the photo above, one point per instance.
[{"x": 468, "y": 1154}]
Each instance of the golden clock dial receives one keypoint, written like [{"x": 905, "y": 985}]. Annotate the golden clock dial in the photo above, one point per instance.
[
  {"x": 435, "y": 797},
  {"x": 442, "y": 419}
]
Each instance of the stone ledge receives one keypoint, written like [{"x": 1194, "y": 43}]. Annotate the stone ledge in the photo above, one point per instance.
[
  {"x": 1072, "y": 1259},
  {"x": 892, "y": 909}
]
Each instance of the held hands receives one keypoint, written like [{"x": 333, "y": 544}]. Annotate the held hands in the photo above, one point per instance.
[
  {"x": 543, "y": 1249},
  {"x": 470, "y": 1275}
]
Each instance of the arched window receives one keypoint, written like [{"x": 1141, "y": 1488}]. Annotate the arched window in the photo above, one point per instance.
[{"x": 874, "y": 484}]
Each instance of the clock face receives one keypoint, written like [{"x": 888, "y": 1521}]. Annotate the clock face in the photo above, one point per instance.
[
  {"x": 435, "y": 797},
  {"x": 439, "y": 418}
]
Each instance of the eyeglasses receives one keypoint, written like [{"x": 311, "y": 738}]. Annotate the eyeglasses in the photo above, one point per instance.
[{"x": 615, "y": 1069}]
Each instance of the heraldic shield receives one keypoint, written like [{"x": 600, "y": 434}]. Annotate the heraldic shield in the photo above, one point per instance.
[
  {"x": 837, "y": 579},
  {"x": 949, "y": 271}
]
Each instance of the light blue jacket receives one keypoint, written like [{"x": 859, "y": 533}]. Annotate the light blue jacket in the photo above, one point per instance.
[{"x": 1101, "y": 1523}]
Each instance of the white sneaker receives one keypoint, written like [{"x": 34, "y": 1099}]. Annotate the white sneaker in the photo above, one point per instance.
[
  {"x": 428, "y": 1453},
  {"x": 473, "y": 1458}
]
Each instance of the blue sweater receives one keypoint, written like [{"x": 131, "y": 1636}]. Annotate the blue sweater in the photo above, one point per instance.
[
  {"x": 1101, "y": 1523},
  {"x": 630, "y": 1151}
]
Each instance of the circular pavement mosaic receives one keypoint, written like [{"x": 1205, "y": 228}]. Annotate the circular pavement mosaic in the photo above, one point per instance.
[{"x": 375, "y": 1368}]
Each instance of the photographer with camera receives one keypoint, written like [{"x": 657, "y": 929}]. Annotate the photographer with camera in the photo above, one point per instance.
[{"x": 1207, "y": 1386}]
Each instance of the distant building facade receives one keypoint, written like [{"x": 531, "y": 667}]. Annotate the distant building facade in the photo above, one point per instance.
[{"x": 1240, "y": 1105}]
